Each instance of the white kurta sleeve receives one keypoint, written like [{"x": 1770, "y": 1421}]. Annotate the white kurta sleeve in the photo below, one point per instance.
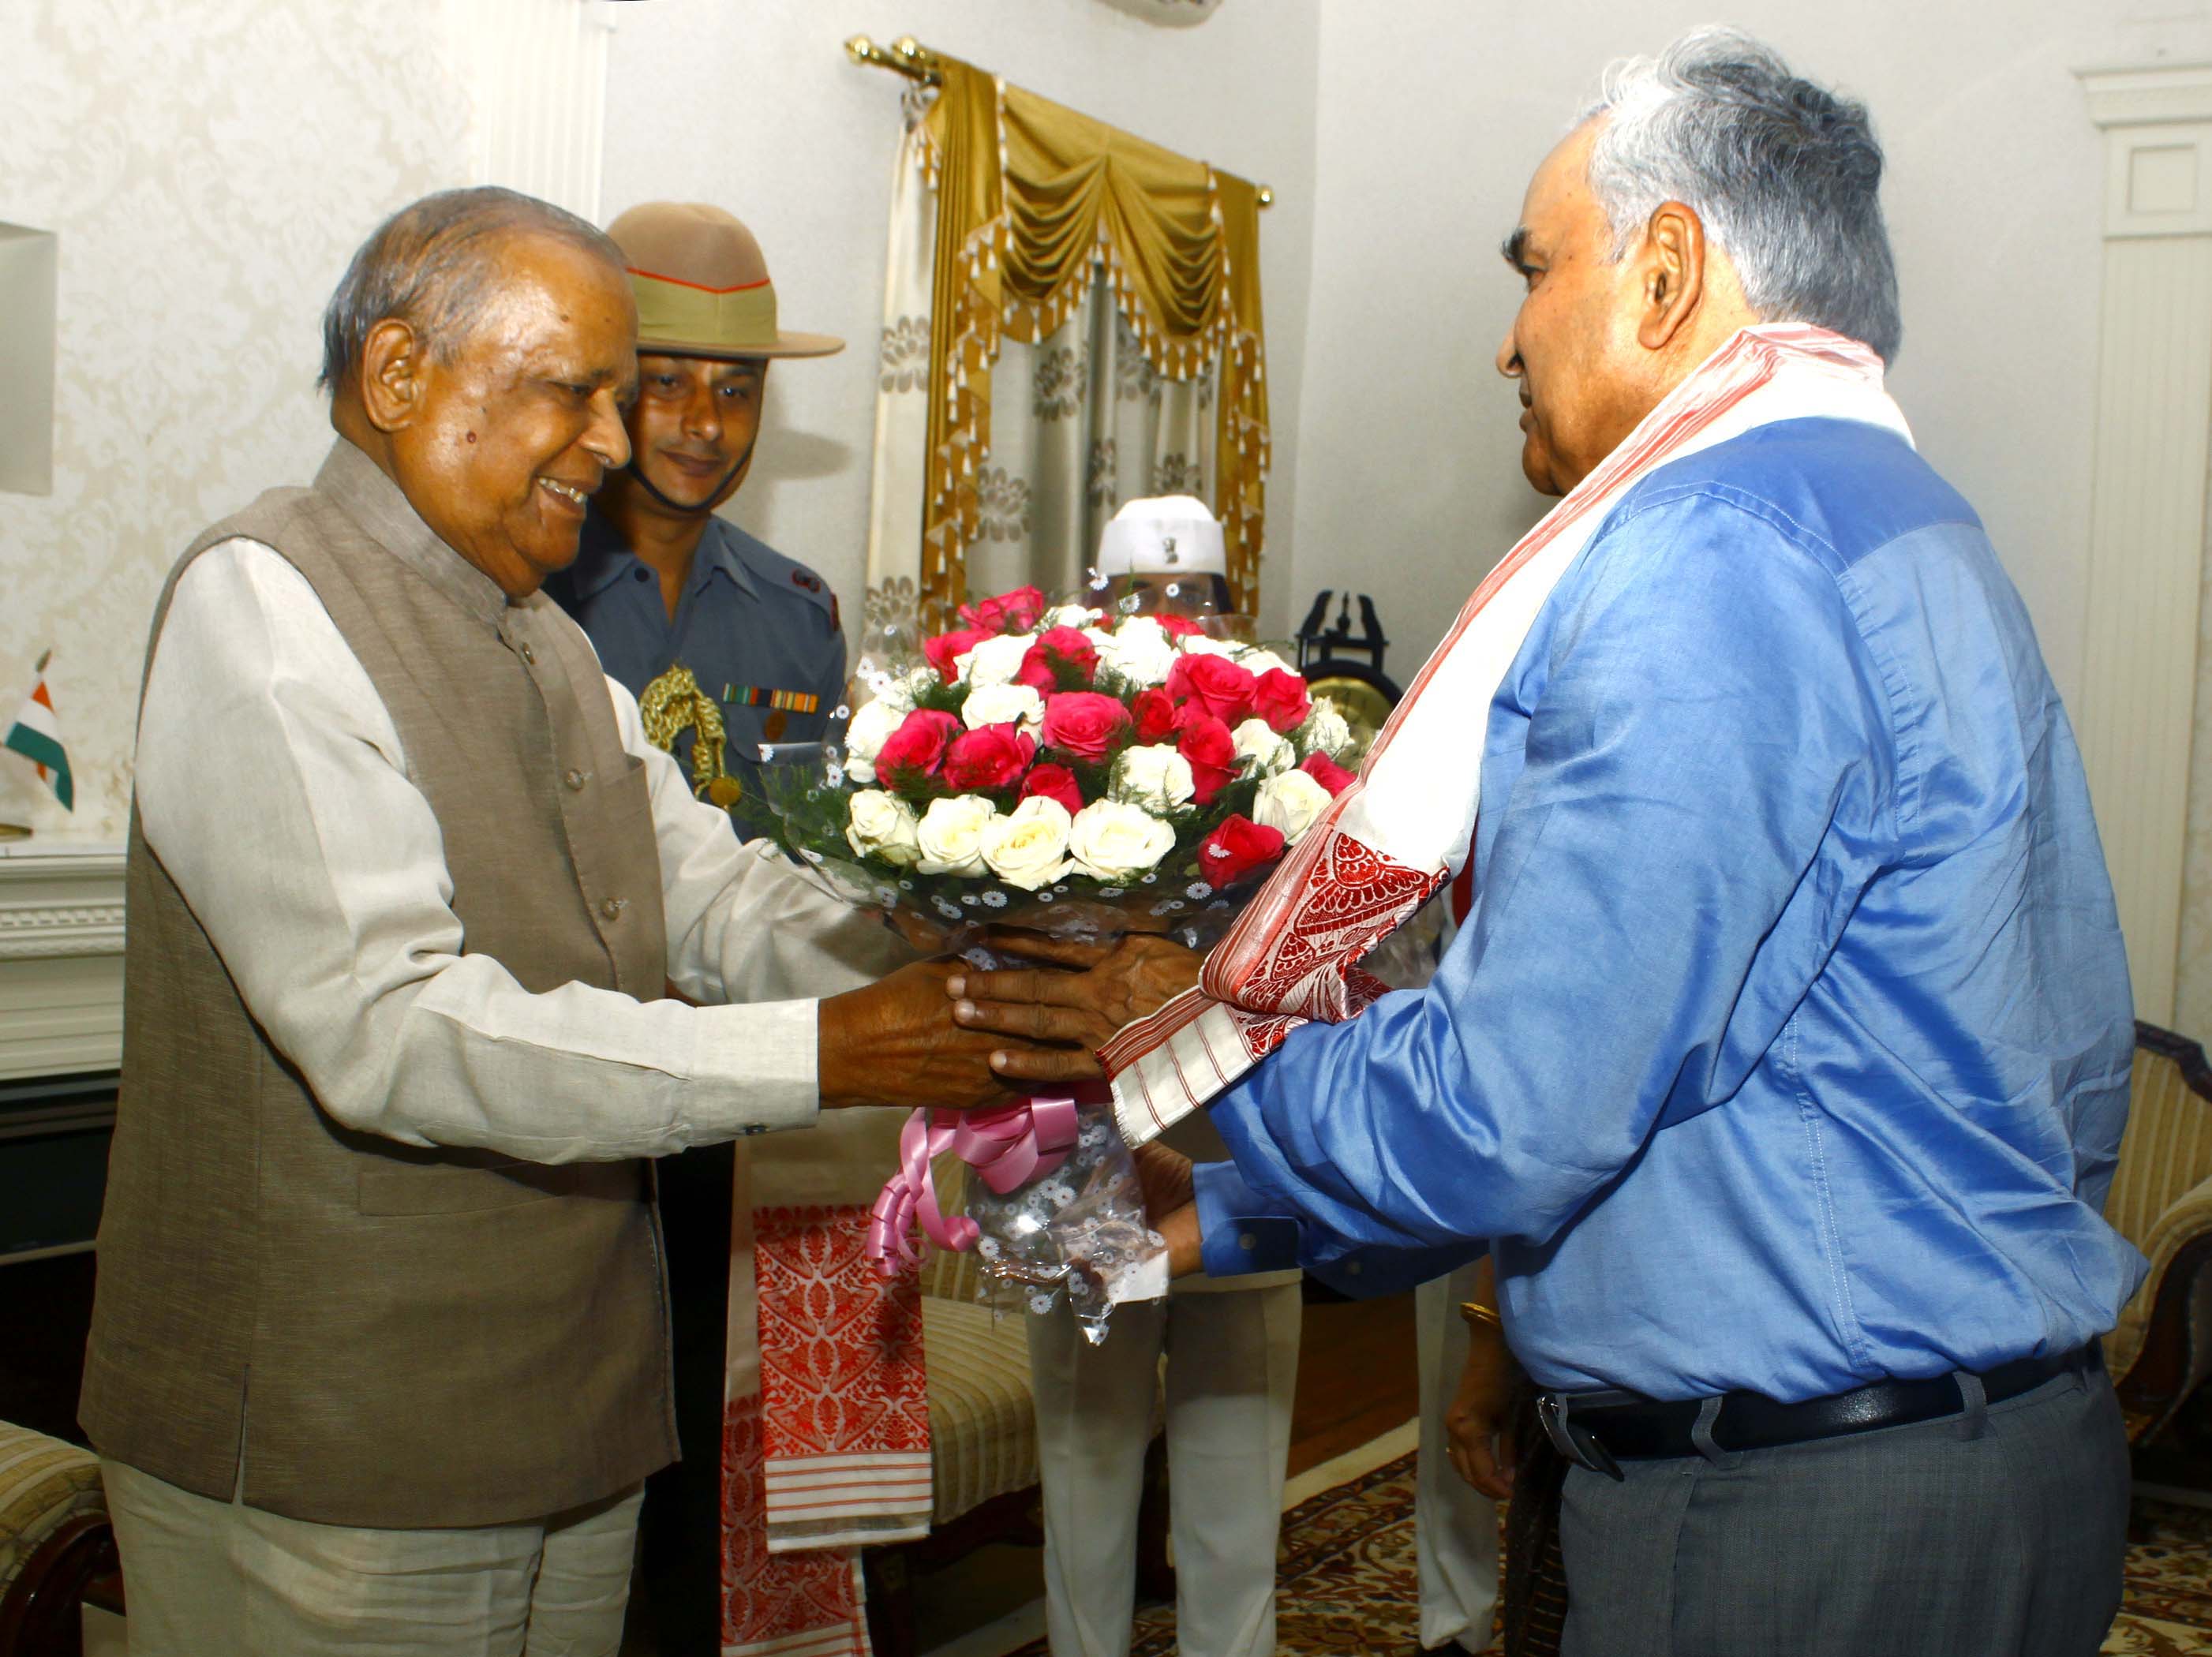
[
  {"x": 271, "y": 785},
  {"x": 745, "y": 923}
]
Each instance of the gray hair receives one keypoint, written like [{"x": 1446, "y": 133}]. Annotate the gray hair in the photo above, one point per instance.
[
  {"x": 1784, "y": 173},
  {"x": 430, "y": 265}
]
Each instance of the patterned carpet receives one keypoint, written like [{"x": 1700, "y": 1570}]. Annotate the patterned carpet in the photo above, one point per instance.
[{"x": 1347, "y": 1577}]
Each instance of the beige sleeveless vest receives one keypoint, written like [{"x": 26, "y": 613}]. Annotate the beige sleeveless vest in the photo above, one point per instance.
[{"x": 365, "y": 1332}]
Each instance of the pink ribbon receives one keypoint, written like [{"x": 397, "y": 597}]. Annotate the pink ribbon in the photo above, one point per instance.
[{"x": 1008, "y": 1145}]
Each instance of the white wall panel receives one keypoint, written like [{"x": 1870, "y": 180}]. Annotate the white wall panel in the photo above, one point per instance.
[
  {"x": 536, "y": 71},
  {"x": 2136, "y": 706}
]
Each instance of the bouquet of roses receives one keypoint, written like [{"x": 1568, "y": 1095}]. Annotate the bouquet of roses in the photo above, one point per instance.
[
  {"x": 1078, "y": 772},
  {"x": 1044, "y": 754}
]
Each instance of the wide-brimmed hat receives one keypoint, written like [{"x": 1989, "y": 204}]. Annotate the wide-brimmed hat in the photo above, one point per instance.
[
  {"x": 702, "y": 286},
  {"x": 1162, "y": 535}
]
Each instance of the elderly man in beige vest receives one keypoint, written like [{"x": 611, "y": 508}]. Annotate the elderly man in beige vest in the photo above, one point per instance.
[{"x": 379, "y": 1360}]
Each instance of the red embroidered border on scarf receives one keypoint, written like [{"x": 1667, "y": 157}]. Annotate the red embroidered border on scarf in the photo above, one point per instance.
[{"x": 844, "y": 1390}]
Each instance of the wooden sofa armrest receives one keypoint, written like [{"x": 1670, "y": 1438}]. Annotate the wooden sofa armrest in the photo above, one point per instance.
[
  {"x": 2195, "y": 1070},
  {"x": 2169, "y": 1364},
  {"x": 2162, "y": 1200},
  {"x": 41, "y": 1615}
]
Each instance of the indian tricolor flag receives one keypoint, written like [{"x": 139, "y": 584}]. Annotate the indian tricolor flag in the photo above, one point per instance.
[{"x": 37, "y": 736}]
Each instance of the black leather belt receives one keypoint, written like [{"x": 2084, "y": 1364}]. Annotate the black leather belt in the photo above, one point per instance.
[{"x": 1594, "y": 1430}]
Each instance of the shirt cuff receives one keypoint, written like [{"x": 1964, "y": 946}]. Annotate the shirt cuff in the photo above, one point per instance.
[
  {"x": 1237, "y": 1234},
  {"x": 755, "y": 1069}
]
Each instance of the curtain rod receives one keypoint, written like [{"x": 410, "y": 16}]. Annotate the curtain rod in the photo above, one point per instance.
[{"x": 909, "y": 57}]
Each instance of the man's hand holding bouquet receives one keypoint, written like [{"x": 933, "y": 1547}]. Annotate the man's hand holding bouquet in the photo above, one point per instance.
[{"x": 1101, "y": 791}]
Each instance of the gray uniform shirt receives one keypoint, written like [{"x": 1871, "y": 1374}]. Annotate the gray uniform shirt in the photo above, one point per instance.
[{"x": 755, "y": 629}]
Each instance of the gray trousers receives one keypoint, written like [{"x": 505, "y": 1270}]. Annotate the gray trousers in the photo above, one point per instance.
[{"x": 1998, "y": 1533}]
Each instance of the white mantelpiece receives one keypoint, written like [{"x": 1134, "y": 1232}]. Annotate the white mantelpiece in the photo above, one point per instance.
[
  {"x": 2146, "y": 515},
  {"x": 61, "y": 958}
]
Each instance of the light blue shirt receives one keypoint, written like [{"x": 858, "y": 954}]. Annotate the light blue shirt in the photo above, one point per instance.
[{"x": 1787, "y": 1045}]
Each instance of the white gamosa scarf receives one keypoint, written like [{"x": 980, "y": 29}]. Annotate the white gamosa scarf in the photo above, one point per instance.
[{"x": 1387, "y": 843}]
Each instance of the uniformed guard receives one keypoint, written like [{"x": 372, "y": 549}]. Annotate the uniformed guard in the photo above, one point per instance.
[
  {"x": 706, "y": 625},
  {"x": 718, "y": 636}
]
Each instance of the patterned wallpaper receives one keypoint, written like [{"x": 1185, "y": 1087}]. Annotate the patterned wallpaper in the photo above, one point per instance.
[{"x": 209, "y": 167}]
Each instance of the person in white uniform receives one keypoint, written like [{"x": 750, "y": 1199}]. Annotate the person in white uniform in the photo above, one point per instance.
[
  {"x": 1454, "y": 1523},
  {"x": 1231, "y": 1346},
  {"x": 1455, "y": 1520}
]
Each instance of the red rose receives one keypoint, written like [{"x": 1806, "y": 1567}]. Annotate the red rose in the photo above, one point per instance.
[
  {"x": 1211, "y": 752},
  {"x": 986, "y": 760},
  {"x": 1085, "y": 724},
  {"x": 1155, "y": 715},
  {"x": 1177, "y": 627},
  {"x": 917, "y": 748},
  {"x": 1055, "y": 782},
  {"x": 1010, "y": 612},
  {"x": 1280, "y": 698},
  {"x": 1327, "y": 772},
  {"x": 1223, "y": 689},
  {"x": 945, "y": 650},
  {"x": 1235, "y": 848},
  {"x": 1059, "y": 649}
]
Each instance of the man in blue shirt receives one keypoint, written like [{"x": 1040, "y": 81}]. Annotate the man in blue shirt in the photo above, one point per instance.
[
  {"x": 660, "y": 583},
  {"x": 1781, "y": 1066}
]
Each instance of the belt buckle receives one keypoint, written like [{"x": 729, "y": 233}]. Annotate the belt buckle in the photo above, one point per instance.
[{"x": 1576, "y": 1443}]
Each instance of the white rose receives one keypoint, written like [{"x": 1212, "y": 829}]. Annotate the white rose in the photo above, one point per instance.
[
  {"x": 1270, "y": 754},
  {"x": 871, "y": 728},
  {"x": 994, "y": 661},
  {"x": 1324, "y": 730},
  {"x": 1139, "y": 650},
  {"x": 1029, "y": 848},
  {"x": 1290, "y": 803},
  {"x": 1112, "y": 840},
  {"x": 882, "y": 826},
  {"x": 1197, "y": 644},
  {"x": 1004, "y": 704},
  {"x": 951, "y": 834},
  {"x": 1257, "y": 662},
  {"x": 1157, "y": 778},
  {"x": 1074, "y": 615}
]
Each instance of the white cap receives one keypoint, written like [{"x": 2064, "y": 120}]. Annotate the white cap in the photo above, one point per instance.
[{"x": 1163, "y": 535}]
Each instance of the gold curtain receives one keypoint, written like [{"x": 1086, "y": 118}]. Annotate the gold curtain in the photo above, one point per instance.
[{"x": 1030, "y": 196}]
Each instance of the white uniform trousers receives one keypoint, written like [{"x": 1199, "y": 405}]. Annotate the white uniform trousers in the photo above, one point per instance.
[
  {"x": 202, "y": 1577},
  {"x": 1231, "y": 1371},
  {"x": 1455, "y": 1524}
]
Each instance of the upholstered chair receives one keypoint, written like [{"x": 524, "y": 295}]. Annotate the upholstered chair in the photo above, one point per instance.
[
  {"x": 54, "y": 1539},
  {"x": 2161, "y": 1202}
]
